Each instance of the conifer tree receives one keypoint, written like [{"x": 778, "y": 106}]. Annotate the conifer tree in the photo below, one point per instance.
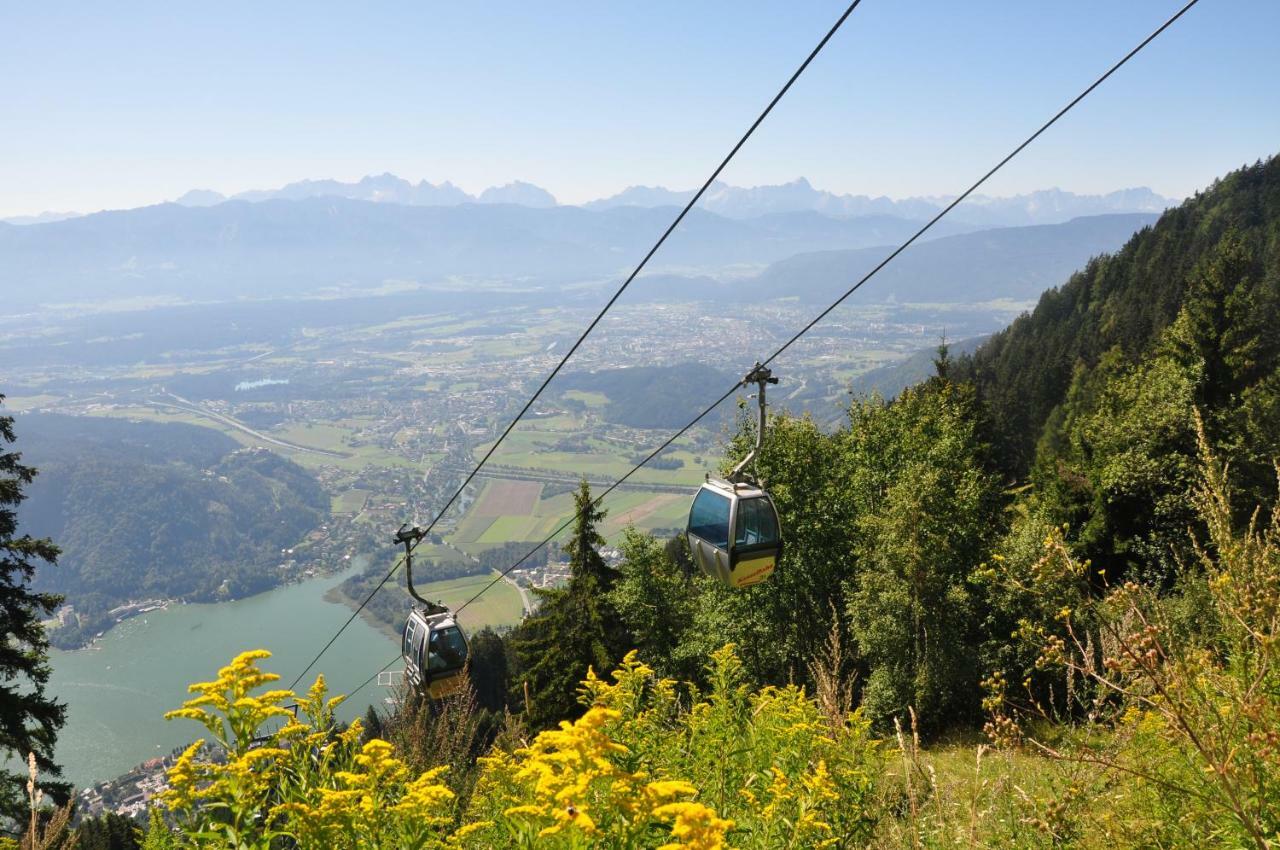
[
  {"x": 108, "y": 831},
  {"x": 576, "y": 626},
  {"x": 29, "y": 719},
  {"x": 654, "y": 596},
  {"x": 373, "y": 725},
  {"x": 488, "y": 669}
]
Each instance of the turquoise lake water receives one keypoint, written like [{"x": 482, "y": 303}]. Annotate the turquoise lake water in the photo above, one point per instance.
[{"x": 118, "y": 691}]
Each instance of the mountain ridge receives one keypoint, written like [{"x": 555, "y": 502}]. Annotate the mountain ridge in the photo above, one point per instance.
[
  {"x": 122, "y": 498},
  {"x": 1041, "y": 206},
  {"x": 1123, "y": 301},
  {"x": 238, "y": 247},
  {"x": 284, "y": 248},
  {"x": 1015, "y": 263}
]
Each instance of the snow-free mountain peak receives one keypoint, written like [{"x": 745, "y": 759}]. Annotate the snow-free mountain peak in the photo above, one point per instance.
[{"x": 524, "y": 194}]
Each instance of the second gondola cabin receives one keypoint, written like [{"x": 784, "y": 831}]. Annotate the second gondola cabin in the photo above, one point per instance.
[
  {"x": 435, "y": 653},
  {"x": 733, "y": 533}
]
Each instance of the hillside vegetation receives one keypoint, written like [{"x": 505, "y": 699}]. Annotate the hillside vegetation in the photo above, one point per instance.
[
  {"x": 145, "y": 510},
  {"x": 1178, "y": 747}
]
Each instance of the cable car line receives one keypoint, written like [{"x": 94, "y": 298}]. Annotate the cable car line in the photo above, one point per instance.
[
  {"x": 809, "y": 326},
  {"x": 343, "y": 628},
  {"x": 600, "y": 316},
  {"x": 924, "y": 229}
]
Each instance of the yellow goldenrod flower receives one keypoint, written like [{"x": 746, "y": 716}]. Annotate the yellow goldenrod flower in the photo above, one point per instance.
[{"x": 696, "y": 827}]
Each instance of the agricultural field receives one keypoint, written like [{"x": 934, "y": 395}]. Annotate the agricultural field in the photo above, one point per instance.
[
  {"x": 21, "y": 403},
  {"x": 499, "y": 606},
  {"x": 146, "y": 413},
  {"x": 590, "y": 399},
  {"x": 329, "y": 437},
  {"x": 649, "y": 511},
  {"x": 602, "y": 460},
  {"x": 508, "y": 528},
  {"x": 501, "y": 498},
  {"x": 508, "y": 511},
  {"x": 336, "y": 437},
  {"x": 350, "y": 501}
]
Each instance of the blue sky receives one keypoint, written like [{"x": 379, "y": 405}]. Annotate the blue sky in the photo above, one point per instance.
[{"x": 119, "y": 105}]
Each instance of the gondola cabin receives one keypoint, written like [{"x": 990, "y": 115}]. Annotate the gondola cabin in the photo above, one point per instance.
[
  {"x": 733, "y": 533},
  {"x": 435, "y": 653}
]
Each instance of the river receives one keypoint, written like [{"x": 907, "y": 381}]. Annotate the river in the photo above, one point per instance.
[{"x": 117, "y": 692}]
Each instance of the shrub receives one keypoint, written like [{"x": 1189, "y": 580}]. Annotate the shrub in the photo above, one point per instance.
[
  {"x": 641, "y": 768},
  {"x": 305, "y": 781},
  {"x": 1189, "y": 718},
  {"x": 755, "y": 769}
]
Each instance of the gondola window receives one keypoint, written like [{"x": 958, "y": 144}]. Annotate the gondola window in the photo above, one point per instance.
[
  {"x": 709, "y": 518},
  {"x": 756, "y": 523}
]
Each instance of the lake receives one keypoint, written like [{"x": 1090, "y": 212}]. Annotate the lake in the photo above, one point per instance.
[{"x": 117, "y": 692}]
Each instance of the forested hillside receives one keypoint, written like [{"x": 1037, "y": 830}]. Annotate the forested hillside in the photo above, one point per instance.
[
  {"x": 1092, "y": 397},
  {"x": 652, "y": 396},
  {"x": 1218, "y": 255},
  {"x": 144, "y": 510}
]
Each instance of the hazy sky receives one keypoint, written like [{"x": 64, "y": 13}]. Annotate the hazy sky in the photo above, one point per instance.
[{"x": 123, "y": 104}]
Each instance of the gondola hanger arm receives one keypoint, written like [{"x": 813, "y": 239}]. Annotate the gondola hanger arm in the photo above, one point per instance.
[
  {"x": 410, "y": 537},
  {"x": 761, "y": 376}
]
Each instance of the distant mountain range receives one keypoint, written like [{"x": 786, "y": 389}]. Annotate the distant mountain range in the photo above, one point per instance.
[
  {"x": 1048, "y": 206},
  {"x": 278, "y": 247},
  {"x": 42, "y": 218},
  {"x": 334, "y": 246},
  {"x": 386, "y": 189},
  {"x": 1014, "y": 263}
]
